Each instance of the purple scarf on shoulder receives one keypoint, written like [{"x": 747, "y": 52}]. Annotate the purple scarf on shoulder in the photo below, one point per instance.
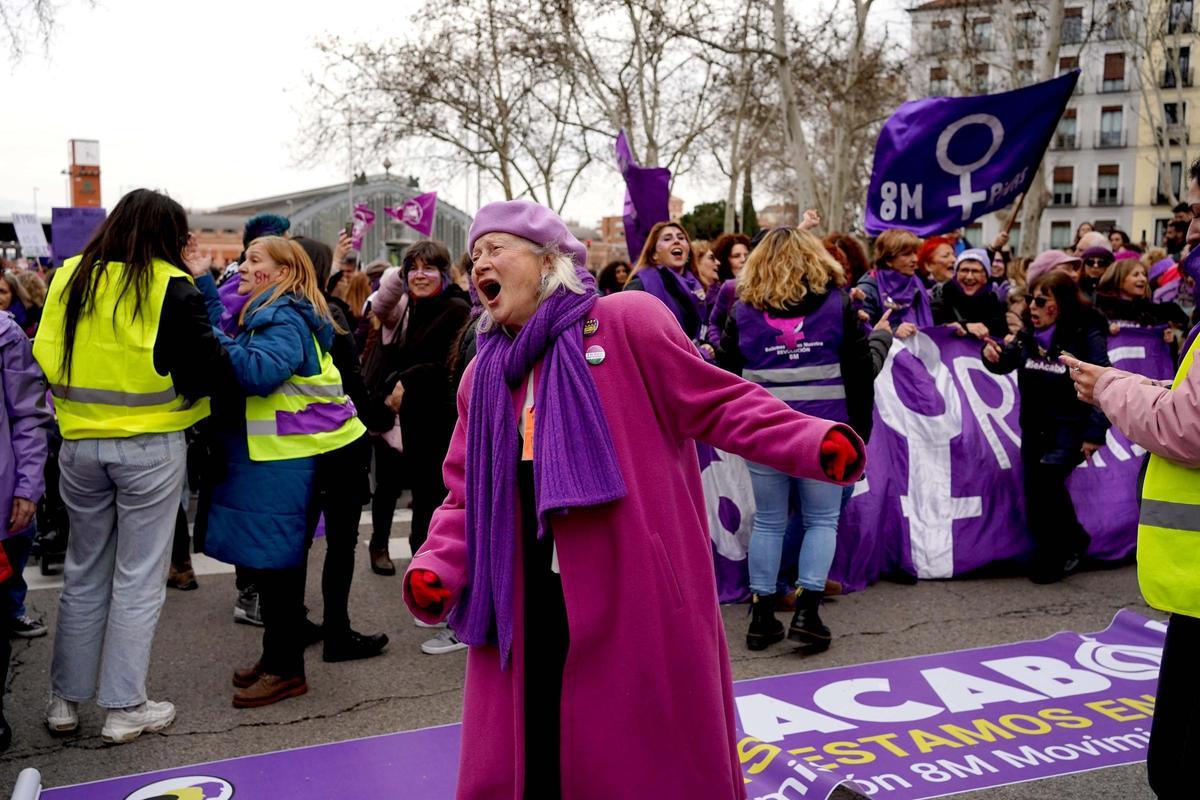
[
  {"x": 906, "y": 295},
  {"x": 574, "y": 461}
]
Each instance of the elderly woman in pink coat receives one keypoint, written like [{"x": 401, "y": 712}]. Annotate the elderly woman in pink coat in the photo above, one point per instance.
[{"x": 572, "y": 553}]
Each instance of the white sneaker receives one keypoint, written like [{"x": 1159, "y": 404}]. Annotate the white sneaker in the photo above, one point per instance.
[
  {"x": 422, "y": 624},
  {"x": 444, "y": 642},
  {"x": 61, "y": 715},
  {"x": 125, "y": 726}
]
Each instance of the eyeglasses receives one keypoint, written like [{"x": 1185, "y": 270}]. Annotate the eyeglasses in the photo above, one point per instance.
[
  {"x": 1041, "y": 301},
  {"x": 424, "y": 271}
]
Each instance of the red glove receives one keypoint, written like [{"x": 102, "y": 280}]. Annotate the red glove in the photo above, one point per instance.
[
  {"x": 839, "y": 456},
  {"x": 427, "y": 590}
]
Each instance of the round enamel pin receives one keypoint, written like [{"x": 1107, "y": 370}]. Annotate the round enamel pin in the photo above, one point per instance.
[
  {"x": 594, "y": 354},
  {"x": 590, "y": 326}
]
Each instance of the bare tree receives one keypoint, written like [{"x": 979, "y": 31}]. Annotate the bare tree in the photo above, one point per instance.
[
  {"x": 804, "y": 190},
  {"x": 24, "y": 20},
  {"x": 469, "y": 87}
]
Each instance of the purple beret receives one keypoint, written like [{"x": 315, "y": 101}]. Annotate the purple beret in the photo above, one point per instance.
[
  {"x": 530, "y": 221},
  {"x": 1101, "y": 253}
]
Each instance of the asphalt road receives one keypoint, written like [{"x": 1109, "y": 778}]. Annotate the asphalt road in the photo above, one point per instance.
[{"x": 198, "y": 644}]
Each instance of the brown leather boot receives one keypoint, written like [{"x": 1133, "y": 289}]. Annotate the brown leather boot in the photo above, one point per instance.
[
  {"x": 246, "y": 676},
  {"x": 269, "y": 689},
  {"x": 381, "y": 562},
  {"x": 182, "y": 577}
]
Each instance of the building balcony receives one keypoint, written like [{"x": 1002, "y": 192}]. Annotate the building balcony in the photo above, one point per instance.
[
  {"x": 1063, "y": 200},
  {"x": 1110, "y": 87},
  {"x": 1103, "y": 140},
  {"x": 1169, "y": 79},
  {"x": 1065, "y": 141},
  {"x": 1175, "y": 133},
  {"x": 1106, "y": 197},
  {"x": 1184, "y": 23}
]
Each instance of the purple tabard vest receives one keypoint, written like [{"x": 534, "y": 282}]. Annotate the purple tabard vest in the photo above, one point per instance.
[{"x": 797, "y": 359}]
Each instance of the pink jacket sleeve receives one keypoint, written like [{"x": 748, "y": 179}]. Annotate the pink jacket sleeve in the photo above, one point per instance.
[
  {"x": 1165, "y": 422},
  {"x": 445, "y": 550},
  {"x": 706, "y": 403},
  {"x": 386, "y": 305}
]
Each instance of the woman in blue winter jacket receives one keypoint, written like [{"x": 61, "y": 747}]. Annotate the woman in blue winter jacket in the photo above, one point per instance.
[{"x": 294, "y": 408}]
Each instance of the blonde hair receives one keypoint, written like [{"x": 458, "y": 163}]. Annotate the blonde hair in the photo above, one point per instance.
[
  {"x": 301, "y": 278},
  {"x": 33, "y": 286},
  {"x": 785, "y": 266},
  {"x": 895, "y": 242},
  {"x": 358, "y": 289}
]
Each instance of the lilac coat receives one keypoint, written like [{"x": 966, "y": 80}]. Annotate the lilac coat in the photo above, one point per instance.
[
  {"x": 24, "y": 417},
  {"x": 647, "y": 690}
]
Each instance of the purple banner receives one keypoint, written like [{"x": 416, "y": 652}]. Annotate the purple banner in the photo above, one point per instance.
[
  {"x": 417, "y": 212},
  {"x": 364, "y": 218},
  {"x": 942, "y": 495},
  {"x": 71, "y": 229},
  {"x": 941, "y": 162},
  {"x": 905, "y": 729},
  {"x": 647, "y": 197}
]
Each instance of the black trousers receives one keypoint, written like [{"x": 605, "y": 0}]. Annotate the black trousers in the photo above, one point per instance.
[
  {"x": 428, "y": 492},
  {"x": 1051, "y": 512},
  {"x": 15, "y": 548},
  {"x": 547, "y": 640},
  {"x": 181, "y": 544},
  {"x": 281, "y": 592},
  {"x": 1175, "y": 732},
  {"x": 389, "y": 483},
  {"x": 340, "y": 489}
]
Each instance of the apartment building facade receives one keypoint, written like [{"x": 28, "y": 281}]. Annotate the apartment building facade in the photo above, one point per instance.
[{"x": 1120, "y": 152}]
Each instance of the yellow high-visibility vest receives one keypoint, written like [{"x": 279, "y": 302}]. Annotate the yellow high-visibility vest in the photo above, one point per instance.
[
  {"x": 304, "y": 416},
  {"x": 1169, "y": 527},
  {"x": 113, "y": 390}
]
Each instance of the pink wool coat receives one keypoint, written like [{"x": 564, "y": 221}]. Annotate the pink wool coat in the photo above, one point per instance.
[{"x": 647, "y": 699}]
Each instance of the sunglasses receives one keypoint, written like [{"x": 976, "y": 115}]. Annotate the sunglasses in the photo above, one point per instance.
[
  {"x": 1095, "y": 262},
  {"x": 1040, "y": 301}
]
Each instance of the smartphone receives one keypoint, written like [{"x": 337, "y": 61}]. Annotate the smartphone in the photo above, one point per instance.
[{"x": 349, "y": 229}]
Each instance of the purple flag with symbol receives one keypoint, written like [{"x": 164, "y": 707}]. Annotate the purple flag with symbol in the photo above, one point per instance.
[
  {"x": 364, "y": 218},
  {"x": 647, "y": 197},
  {"x": 942, "y": 162},
  {"x": 417, "y": 212}
]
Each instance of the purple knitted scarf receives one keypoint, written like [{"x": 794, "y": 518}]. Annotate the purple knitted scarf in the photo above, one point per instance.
[{"x": 574, "y": 462}]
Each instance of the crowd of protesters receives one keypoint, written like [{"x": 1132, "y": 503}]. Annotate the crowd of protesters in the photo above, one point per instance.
[{"x": 290, "y": 391}]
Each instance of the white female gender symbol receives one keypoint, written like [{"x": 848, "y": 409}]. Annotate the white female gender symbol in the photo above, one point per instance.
[{"x": 966, "y": 199}]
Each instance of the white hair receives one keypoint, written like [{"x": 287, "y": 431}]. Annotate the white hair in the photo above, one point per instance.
[{"x": 561, "y": 275}]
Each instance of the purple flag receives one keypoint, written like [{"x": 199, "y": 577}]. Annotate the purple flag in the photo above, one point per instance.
[
  {"x": 647, "y": 197},
  {"x": 942, "y": 162},
  {"x": 71, "y": 229},
  {"x": 417, "y": 212},
  {"x": 364, "y": 218}
]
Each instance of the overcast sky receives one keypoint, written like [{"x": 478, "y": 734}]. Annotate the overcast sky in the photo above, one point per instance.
[{"x": 205, "y": 103}]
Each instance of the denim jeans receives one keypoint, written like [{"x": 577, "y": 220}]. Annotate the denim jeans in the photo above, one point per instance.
[
  {"x": 820, "y": 508},
  {"x": 122, "y": 496}
]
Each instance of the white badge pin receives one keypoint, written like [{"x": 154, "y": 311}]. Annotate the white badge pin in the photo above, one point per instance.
[{"x": 594, "y": 354}]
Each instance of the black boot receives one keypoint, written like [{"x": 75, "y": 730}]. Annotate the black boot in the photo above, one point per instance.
[
  {"x": 765, "y": 630},
  {"x": 807, "y": 629},
  {"x": 352, "y": 645}
]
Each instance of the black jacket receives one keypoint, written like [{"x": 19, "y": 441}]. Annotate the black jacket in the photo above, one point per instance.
[
  {"x": 950, "y": 304},
  {"x": 1054, "y": 422},
  {"x": 861, "y": 356},
  {"x": 186, "y": 347},
  {"x": 1141, "y": 311}
]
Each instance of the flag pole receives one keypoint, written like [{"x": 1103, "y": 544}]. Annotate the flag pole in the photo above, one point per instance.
[{"x": 1016, "y": 212}]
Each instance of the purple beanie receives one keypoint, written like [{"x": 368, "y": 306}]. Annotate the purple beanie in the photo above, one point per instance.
[
  {"x": 530, "y": 221},
  {"x": 1046, "y": 261}
]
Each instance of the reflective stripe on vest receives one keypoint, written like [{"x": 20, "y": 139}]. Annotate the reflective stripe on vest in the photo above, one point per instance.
[
  {"x": 114, "y": 390},
  {"x": 1168, "y": 551},
  {"x": 305, "y": 416}
]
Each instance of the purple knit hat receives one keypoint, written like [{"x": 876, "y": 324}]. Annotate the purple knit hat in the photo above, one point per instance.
[
  {"x": 1046, "y": 261},
  {"x": 530, "y": 221}
]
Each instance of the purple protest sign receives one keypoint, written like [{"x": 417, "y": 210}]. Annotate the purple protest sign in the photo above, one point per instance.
[
  {"x": 954, "y": 722},
  {"x": 364, "y": 218},
  {"x": 647, "y": 197},
  {"x": 71, "y": 229},
  {"x": 941, "y": 162},
  {"x": 942, "y": 495},
  {"x": 906, "y": 729},
  {"x": 417, "y": 212}
]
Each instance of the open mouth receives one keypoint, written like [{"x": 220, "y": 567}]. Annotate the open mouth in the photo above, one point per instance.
[
  {"x": 676, "y": 252},
  {"x": 489, "y": 288}
]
